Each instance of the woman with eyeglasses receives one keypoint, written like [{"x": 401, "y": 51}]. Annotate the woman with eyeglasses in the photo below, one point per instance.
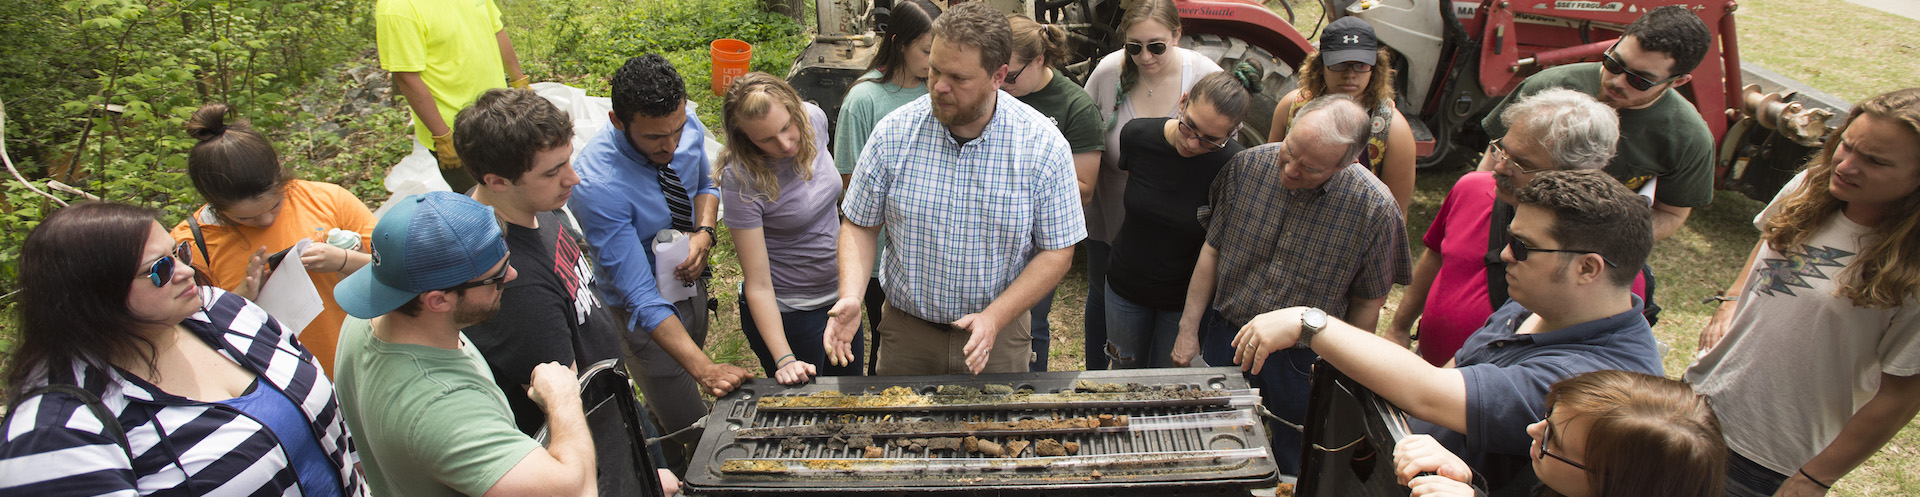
[
  {"x": 1145, "y": 78},
  {"x": 782, "y": 206},
  {"x": 1170, "y": 165},
  {"x": 897, "y": 75},
  {"x": 1032, "y": 79},
  {"x": 1606, "y": 434},
  {"x": 1813, "y": 356},
  {"x": 1351, "y": 62},
  {"x": 255, "y": 210},
  {"x": 130, "y": 377}
]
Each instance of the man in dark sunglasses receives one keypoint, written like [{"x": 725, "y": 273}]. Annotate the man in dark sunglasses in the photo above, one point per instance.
[
  {"x": 1580, "y": 238},
  {"x": 1665, "y": 148}
]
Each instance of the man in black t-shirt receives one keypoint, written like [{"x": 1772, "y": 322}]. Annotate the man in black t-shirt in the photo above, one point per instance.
[{"x": 518, "y": 146}]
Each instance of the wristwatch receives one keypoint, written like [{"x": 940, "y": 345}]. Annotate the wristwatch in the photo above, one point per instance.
[
  {"x": 709, "y": 230},
  {"x": 1311, "y": 322}
]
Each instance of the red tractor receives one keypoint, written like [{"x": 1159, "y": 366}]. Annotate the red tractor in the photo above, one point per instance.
[{"x": 1455, "y": 60}]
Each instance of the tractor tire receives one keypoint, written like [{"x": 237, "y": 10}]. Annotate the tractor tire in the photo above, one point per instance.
[{"x": 1275, "y": 78}]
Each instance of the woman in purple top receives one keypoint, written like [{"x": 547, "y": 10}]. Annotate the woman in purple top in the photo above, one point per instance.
[{"x": 779, "y": 188}]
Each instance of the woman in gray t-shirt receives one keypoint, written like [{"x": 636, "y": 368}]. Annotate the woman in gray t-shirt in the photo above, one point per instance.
[{"x": 779, "y": 188}]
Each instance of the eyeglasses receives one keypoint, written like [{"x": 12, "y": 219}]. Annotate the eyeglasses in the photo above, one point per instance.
[
  {"x": 1013, "y": 76},
  {"x": 1158, "y": 47},
  {"x": 1351, "y": 66},
  {"x": 1520, "y": 250},
  {"x": 1212, "y": 144},
  {"x": 1510, "y": 159},
  {"x": 495, "y": 280},
  {"x": 1547, "y": 439},
  {"x": 1634, "y": 79},
  {"x": 161, "y": 271}
]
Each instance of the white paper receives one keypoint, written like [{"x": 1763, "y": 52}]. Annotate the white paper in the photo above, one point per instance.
[
  {"x": 667, "y": 256},
  {"x": 289, "y": 295}
]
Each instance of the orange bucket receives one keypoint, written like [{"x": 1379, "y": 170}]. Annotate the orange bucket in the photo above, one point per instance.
[{"x": 730, "y": 58}]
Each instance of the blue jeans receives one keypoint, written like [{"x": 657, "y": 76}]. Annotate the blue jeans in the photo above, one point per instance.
[
  {"x": 1746, "y": 478},
  {"x": 1042, "y": 332},
  {"x": 1096, "y": 312},
  {"x": 1139, "y": 336},
  {"x": 1285, "y": 382},
  {"x": 804, "y": 330}
]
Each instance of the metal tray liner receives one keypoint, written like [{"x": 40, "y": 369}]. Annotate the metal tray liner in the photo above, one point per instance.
[{"x": 737, "y": 410}]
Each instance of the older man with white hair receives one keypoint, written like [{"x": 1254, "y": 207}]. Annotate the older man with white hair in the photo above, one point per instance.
[
  {"x": 1460, "y": 279},
  {"x": 1294, "y": 223}
]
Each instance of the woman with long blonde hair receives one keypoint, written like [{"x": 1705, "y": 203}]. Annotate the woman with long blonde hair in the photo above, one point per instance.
[
  {"x": 778, "y": 185},
  {"x": 1813, "y": 357}
]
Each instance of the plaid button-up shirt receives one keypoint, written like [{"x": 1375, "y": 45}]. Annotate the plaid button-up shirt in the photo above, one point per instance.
[
  {"x": 963, "y": 220},
  {"x": 1317, "y": 247}
]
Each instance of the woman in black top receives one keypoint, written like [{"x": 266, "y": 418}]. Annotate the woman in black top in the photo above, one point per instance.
[{"x": 1171, "y": 164}]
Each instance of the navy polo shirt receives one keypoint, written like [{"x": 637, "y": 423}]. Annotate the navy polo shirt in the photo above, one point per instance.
[{"x": 1507, "y": 376}]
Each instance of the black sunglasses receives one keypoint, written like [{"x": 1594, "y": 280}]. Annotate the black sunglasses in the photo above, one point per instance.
[
  {"x": 1634, "y": 79},
  {"x": 1158, "y": 47},
  {"x": 1547, "y": 439},
  {"x": 1510, "y": 159},
  {"x": 1351, "y": 66},
  {"x": 1520, "y": 250},
  {"x": 1212, "y": 144},
  {"x": 495, "y": 280},
  {"x": 161, "y": 271}
]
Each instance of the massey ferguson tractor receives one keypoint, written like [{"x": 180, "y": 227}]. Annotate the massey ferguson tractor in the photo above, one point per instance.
[{"x": 1455, "y": 60}]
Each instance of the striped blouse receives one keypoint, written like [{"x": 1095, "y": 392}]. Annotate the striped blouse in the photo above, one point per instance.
[{"x": 56, "y": 446}]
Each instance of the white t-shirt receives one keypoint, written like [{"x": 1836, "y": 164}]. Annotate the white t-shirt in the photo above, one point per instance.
[
  {"x": 1799, "y": 360},
  {"x": 1105, "y": 209}
]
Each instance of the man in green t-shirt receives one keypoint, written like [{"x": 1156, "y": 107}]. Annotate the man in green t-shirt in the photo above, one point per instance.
[
  {"x": 417, "y": 395},
  {"x": 443, "y": 54},
  {"x": 1663, "y": 140}
]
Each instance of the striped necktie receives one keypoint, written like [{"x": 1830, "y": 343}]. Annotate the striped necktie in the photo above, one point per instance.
[{"x": 677, "y": 200}]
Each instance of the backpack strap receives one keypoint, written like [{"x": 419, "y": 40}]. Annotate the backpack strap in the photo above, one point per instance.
[
  {"x": 193, "y": 221},
  {"x": 111, "y": 424}
]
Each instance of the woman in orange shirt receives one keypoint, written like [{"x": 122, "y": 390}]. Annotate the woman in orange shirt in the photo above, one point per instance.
[{"x": 255, "y": 208}]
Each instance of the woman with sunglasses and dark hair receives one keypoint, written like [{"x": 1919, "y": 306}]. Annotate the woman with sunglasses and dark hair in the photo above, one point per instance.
[
  {"x": 256, "y": 208},
  {"x": 1032, "y": 79},
  {"x": 1352, "y": 63},
  {"x": 159, "y": 384},
  {"x": 1170, "y": 165},
  {"x": 1813, "y": 356},
  {"x": 1606, "y": 434},
  {"x": 1145, "y": 78}
]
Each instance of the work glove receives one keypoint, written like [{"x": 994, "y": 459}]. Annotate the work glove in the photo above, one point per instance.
[{"x": 443, "y": 148}]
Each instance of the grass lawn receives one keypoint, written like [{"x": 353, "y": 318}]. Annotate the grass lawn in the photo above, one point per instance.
[{"x": 1874, "y": 54}]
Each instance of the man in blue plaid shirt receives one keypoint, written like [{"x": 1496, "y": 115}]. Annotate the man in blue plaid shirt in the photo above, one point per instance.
[{"x": 978, "y": 196}]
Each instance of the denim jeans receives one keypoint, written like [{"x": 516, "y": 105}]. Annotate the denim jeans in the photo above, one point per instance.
[
  {"x": 1139, "y": 336},
  {"x": 1746, "y": 478},
  {"x": 1284, "y": 383},
  {"x": 1096, "y": 312},
  {"x": 1042, "y": 332},
  {"x": 805, "y": 331}
]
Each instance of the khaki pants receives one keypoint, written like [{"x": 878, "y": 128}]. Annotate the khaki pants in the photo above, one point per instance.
[{"x": 915, "y": 346}]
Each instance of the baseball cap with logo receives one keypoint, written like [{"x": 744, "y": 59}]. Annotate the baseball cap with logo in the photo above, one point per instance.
[
  {"x": 428, "y": 242},
  {"x": 1348, "y": 39}
]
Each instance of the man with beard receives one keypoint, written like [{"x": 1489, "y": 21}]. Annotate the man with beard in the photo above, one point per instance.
[
  {"x": 416, "y": 393},
  {"x": 1578, "y": 237},
  {"x": 646, "y": 174},
  {"x": 1556, "y": 129},
  {"x": 1662, "y": 137},
  {"x": 977, "y": 193}
]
